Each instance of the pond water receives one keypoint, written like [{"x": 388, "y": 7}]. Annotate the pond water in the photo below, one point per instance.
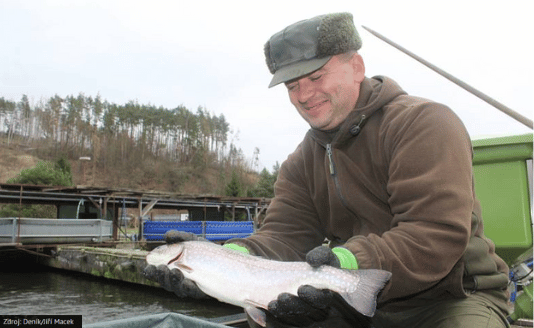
[{"x": 43, "y": 291}]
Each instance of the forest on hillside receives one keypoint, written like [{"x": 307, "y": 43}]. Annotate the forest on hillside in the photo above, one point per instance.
[{"x": 133, "y": 145}]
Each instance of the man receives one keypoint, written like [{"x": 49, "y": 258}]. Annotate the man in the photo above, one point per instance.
[{"x": 385, "y": 177}]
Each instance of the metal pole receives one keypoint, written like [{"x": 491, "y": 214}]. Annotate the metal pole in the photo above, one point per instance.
[
  {"x": 20, "y": 216},
  {"x": 15, "y": 235},
  {"x": 508, "y": 111}
]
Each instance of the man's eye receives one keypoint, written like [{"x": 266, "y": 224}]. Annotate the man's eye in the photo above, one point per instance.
[
  {"x": 291, "y": 87},
  {"x": 315, "y": 78}
]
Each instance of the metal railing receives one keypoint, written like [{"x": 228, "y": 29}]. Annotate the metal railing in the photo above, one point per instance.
[{"x": 46, "y": 231}]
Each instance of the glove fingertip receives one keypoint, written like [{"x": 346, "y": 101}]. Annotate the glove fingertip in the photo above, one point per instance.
[
  {"x": 321, "y": 255},
  {"x": 149, "y": 272},
  {"x": 176, "y": 276},
  {"x": 272, "y": 306},
  {"x": 174, "y": 236},
  {"x": 318, "y": 298}
]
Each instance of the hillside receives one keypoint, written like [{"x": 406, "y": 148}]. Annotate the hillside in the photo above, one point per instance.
[
  {"x": 12, "y": 161},
  {"x": 148, "y": 175},
  {"x": 131, "y": 145}
]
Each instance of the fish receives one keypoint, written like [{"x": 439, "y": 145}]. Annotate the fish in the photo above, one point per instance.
[{"x": 251, "y": 282}]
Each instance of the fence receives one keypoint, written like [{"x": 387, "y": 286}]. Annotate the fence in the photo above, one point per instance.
[{"x": 211, "y": 230}]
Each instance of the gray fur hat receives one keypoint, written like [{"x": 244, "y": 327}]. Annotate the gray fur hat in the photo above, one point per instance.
[{"x": 306, "y": 46}]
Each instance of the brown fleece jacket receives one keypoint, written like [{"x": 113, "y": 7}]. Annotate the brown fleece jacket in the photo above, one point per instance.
[{"x": 397, "y": 191}]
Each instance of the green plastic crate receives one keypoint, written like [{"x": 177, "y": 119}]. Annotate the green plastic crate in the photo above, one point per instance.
[{"x": 502, "y": 186}]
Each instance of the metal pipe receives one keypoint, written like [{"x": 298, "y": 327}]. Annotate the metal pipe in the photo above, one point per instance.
[
  {"x": 508, "y": 111},
  {"x": 132, "y": 202},
  {"x": 78, "y": 208}
]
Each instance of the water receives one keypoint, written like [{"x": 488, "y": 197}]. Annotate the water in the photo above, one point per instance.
[{"x": 50, "y": 292}]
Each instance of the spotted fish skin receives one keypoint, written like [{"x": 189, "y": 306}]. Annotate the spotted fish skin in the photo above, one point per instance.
[{"x": 252, "y": 282}]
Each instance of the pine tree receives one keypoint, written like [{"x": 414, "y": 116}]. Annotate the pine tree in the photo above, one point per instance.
[
  {"x": 264, "y": 187},
  {"x": 233, "y": 188}
]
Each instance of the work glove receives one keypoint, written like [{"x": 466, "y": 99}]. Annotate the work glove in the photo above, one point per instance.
[
  {"x": 173, "y": 280},
  {"x": 313, "y": 307}
]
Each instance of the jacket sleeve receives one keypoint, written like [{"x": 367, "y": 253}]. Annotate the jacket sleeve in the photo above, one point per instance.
[
  {"x": 291, "y": 227},
  {"x": 429, "y": 166}
]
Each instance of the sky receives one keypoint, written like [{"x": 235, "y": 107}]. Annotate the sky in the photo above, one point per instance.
[{"x": 210, "y": 54}]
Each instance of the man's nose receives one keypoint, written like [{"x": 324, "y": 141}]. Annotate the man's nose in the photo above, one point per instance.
[{"x": 306, "y": 92}]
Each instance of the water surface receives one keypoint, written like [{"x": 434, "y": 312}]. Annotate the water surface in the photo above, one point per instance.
[{"x": 45, "y": 291}]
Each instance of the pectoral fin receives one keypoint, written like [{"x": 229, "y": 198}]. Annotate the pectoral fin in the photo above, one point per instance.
[
  {"x": 257, "y": 315},
  {"x": 184, "y": 267}
]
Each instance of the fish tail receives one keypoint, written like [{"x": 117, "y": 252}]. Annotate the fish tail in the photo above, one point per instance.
[{"x": 363, "y": 299}]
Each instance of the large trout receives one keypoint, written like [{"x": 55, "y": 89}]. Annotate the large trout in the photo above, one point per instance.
[{"x": 252, "y": 282}]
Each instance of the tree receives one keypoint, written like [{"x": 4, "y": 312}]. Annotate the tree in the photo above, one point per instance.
[
  {"x": 26, "y": 114},
  {"x": 44, "y": 173},
  {"x": 276, "y": 170},
  {"x": 233, "y": 188},
  {"x": 265, "y": 185},
  {"x": 28, "y": 211},
  {"x": 7, "y": 116},
  {"x": 123, "y": 138},
  {"x": 63, "y": 165}
]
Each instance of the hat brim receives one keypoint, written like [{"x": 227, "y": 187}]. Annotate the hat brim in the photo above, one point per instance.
[{"x": 293, "y": 71}]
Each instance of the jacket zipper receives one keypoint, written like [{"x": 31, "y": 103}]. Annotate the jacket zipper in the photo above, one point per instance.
[
  {"x": 330, "y": 159},
  {"x": 330, "y": 155},
  {"x": 333, "y": 173}
]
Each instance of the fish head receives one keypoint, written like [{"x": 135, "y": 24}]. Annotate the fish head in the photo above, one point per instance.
[
  {"x": 165, "y": 254},
  {"x": 169, "y": 255}
]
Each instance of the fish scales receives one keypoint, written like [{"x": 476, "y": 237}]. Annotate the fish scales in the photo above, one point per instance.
[{"x": 250, "y": 281}]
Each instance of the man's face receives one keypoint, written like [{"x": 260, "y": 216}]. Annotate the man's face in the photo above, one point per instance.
[{"x": 325, "y": 97}]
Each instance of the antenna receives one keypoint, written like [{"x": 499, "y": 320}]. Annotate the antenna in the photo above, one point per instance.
[{"x": 508, "y": 111}]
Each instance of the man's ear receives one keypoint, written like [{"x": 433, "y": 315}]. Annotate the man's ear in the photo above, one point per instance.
[{"x": 359, "y": 67}]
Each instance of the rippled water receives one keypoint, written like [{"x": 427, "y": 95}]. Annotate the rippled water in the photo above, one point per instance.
[{"x": 60, "y": 292}]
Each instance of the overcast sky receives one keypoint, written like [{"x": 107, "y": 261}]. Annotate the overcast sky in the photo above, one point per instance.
[{"x": 210, "y": 53}]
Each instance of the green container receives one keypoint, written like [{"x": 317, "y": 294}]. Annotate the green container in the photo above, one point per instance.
[
  {"x": 502, "y": 186},
  {"x": 523, "y": 305}
]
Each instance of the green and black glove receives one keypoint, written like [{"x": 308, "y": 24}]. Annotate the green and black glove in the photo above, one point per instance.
[{"x": 313, "y": 307}]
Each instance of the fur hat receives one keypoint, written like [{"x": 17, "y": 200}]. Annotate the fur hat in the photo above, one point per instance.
[{"x": 306, "y": 46}]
